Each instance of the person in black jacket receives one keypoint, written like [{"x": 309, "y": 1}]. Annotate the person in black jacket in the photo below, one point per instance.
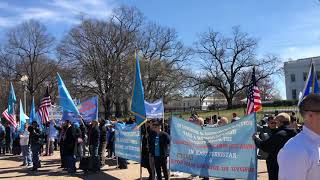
[
  {"x": 94, "y": 142},
  {"x": 2, "y": 139},
  {"x": 84, "y": 136},
  {"x": 61, "y": 131},
  {"x": 78, "y": 151},
  {"x": 35, "y": 144},
  {"x": 9, "y": 138},
  {"x": 103, "y": 142},
  {"x": 69, "y": 147},
  {"x": 145, "y": 153},
  {"x": 110, "y": 142},
  {"x": 159, "y": 142},
  {"x": 275, "y": 143}
]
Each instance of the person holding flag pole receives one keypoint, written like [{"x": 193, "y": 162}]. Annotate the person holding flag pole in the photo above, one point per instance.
[
  {"x": 137, "y": 99},
  {"x": 66, "y": 102}
]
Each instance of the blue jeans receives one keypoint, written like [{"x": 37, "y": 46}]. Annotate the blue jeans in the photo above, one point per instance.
[
  {"x": 26, "y": 154},
  {"x": 35, "y": 148},
  {"x": 95, "y": 158},
  {"x": 71, "y": 163}
]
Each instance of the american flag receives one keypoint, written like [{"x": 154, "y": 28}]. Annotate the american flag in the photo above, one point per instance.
[
  {"x": 44, "y": 107},
  {"x": 253, "y": 99},
  {"x": 11, "y": 118}
]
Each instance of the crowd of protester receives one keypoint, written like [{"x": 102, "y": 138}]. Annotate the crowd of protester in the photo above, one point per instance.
[{"x": 91, "y": 143}]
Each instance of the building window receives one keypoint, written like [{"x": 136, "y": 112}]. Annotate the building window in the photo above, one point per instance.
[
  {"x": 293, "y": 78},
  {"x": 184, "y": 104},
  {"x": 294, "y": 94},
  {"x": 305, "y": 76}
]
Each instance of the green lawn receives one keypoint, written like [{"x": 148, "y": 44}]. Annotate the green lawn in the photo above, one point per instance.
[{"x": 239, "y": 111}]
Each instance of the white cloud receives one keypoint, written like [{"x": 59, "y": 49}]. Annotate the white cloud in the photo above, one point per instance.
[
  {"x": 300, "y": 52},
  {"x": 55, "y": 11}
]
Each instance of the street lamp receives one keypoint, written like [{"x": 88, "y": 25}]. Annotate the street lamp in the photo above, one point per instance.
[{"x": 24, "y": 80}]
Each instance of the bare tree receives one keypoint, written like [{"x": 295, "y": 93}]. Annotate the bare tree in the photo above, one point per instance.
[
  {"x": 202, "y": 92},
  {"x": 225, "y": 59},
  {"x": 28, "y": 51},
  {"x": 164, "y": 57},
  {"x": 102, "y": 51}
]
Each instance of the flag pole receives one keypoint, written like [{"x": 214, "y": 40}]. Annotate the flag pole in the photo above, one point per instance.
[
  {"x": 140, "y": 155},
  {"x": 256, "y": 159}
]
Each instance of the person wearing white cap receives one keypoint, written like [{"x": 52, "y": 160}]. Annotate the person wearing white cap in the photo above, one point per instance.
[{"x": 299, "y": 159}]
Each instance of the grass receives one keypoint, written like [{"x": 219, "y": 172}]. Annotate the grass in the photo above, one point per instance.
[{"x": 240, "y": 112}]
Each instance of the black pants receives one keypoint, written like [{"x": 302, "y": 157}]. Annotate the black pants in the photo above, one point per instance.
[
  {"x": 62, "y": 157},
  {"x": 102, "y": 153},
  {"x": 161, "y": 163},
  {"x": 8, "y": 147}
]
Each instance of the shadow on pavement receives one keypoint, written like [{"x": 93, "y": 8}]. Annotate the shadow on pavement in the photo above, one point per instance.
[
  {"x": 44, "y": 172},
  {"x": 17, "y": 158}
]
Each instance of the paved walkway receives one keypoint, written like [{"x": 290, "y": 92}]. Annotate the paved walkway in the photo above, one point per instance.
[{"x": 10, "y": 169}]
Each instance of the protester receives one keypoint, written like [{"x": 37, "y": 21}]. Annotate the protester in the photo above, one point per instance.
[
  {"x": 9, "y": 138},
  {"x": 103, "y": 142},
  {"x": 51, "y": 135},
  {"x": 234, "y": 117},
  {"x": 299, "y": 159},
  {"x": 25, "y": 148},
  {"x": 94, "y": 141},
  {"x": 84, "y": 136},
  {"x": 269, "y": 129},
  {"x": 265, "y": 133},
  {"x": 222, "y": 121},
  {"x": 145, "y": 160},
  {"x": 2, "y": 140},
  {"x": 110, "y": 144},
  {"x": 78, "y": 150},
  {"x": 61, "y": 131},
  {"x": 69, "y": 147},
  {"x": 275, "y": 143},
  {"x": 35, "y": 145},
  {"x": 159, "y": 142}
]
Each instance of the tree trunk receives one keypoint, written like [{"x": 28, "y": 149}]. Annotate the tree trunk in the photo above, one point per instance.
[
  {"x": 125, "y": 107},
  {"x": 107, "y": 108},
  {"x": 118, "y": 109},
  {"x": 229, "y": 101}
]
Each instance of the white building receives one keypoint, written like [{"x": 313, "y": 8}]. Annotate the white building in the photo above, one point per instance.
[
  {"x": 188, "y": 103},
  {"x": 296, "y": 73}
]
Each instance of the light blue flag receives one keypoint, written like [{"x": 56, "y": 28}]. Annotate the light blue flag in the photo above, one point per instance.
[
  {"x": 311, "y": 85},
  {"x": 38, "y": 119},
  {"x": 22, "y": 118},
  {"x": 65, "y": 99},
  {"x": 12, "y": 100},
  {"x": 155, "y": 109},
  {"x": 33, "y": 115},
  {"x": 137, "y": 101}
]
